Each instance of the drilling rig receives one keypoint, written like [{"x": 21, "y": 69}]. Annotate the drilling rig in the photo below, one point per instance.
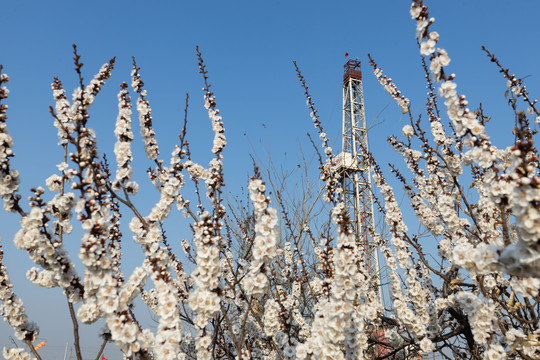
[{"x": 354, "y": 168}]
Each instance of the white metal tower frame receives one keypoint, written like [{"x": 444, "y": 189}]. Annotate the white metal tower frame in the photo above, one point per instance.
[{"x": 355, "y": 170}]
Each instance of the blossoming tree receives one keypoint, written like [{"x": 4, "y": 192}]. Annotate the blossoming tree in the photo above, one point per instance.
[{"x": 264, "y": 284}]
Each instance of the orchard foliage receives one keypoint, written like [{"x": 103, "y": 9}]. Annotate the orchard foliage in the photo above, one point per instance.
[{"x": 267, "y": 283}]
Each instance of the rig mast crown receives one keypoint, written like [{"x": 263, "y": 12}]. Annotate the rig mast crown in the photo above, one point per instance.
[{"x": 352, "y": 70}]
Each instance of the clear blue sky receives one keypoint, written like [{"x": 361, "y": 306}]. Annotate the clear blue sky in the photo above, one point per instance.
[{"x": 248, "y": 47}]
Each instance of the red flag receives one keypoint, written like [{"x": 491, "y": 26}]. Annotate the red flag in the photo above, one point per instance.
[{"x": 346, "y": 54}]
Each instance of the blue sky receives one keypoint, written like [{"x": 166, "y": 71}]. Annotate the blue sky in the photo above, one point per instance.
[{"x": 248, "y": 47}]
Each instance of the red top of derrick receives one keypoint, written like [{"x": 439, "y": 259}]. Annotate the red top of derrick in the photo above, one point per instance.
[{"x": 352, "y": 70}]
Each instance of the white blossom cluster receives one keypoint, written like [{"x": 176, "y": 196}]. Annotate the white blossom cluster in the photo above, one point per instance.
[
  {"x": 150, "y": 299},
  {"x": 50, "y": 255},
  {"x": 9, "y": 178},
  {"x": 262, "y": 302},
  {"x": 169, "y": 195},
  {"x": 517, "y": 340},
  {"x": 16, "y": 354},
  {"x": 518, "y": 187},
  {"x": 337, "y": 322},
  {"x": 82, "y": 99},
  {"x": 272, "y": 323},
  {"x": 68, "y": 116},
  {"x": 166, "y": 342},
  {"x": 472, "y": 240},
  {"x": 329, "y": 173},
  {"x": 204, "y": 300},
  {"x": 264, "y": 244},
  {"x": 519, "y": 90},
  {"x": 408, "y": 131},
  {"x": 480, "y": 313},
  {"x": 12, "y": 309},
  {"x": 105, "y": 296},
  {"x": 94, "y": 86},
  {"x": 65, "y": 113},
  {"x": 196, "y": 171},
  {"x": 434, "y": 187},
  {"x": 514, "y": 186},
  {"x": 417, "y": 317},
  {"x": 439, "y": 215},
  {"x": 390, "y": 88},
  {"x": 214, "y": 180},
  {"x": 217, "y": 125},
  {"x": 122, "y": 148},
  {"x": 145, "y": 116},
  {"x": 102, "y": 285},
  {"x": 41, "y": 278}
]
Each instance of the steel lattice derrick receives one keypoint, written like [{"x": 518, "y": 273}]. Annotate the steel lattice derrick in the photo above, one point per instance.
[{"x": 354, "y": 168}]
